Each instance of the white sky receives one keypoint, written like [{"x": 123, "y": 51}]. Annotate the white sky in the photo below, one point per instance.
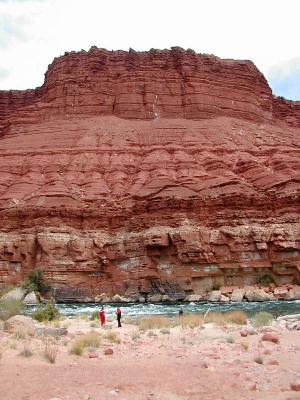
[{"x": 33, "y": 32}]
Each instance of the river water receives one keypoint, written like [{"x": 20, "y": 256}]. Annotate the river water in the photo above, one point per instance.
[{"x": 276, "y": 308}]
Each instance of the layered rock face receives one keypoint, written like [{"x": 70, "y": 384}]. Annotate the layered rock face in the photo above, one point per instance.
[{"x": 164, "y": 172}]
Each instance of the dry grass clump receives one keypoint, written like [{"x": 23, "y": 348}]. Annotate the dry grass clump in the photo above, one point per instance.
[
  {"x": 221, "y": 319},
  {"x": 56, "y": 324},
  {"x": 20, "y": 334},
  {"x": 245, "y": 345},
  {"x": 262, "y": 318},
  {"x": 135, "y": 336},
  {"x": 193, "y": 320},
  {"x": 83, "y": 317},
  {"x": 66, "y": 323},
  {"x": 189, "y": 320},
  {"x": 113, "y": 337},
  {"x": 156, "y": 322},
  {"x": 236, "y": 317},
  {"x": 91, "y": 339},
  {"x": 130, "y": 321},
  {"x": 50, "y": 351}
]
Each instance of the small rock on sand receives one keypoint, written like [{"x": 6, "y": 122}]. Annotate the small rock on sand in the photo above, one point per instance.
[
  {"x": 295, "y": 386},
  {"x": 273, "y": 362},
  {"x": 108, "y": 352},
  {"x": 93, "y": 355},
  {"x": 20, "y": 322},
  {"x": 270, "y": 337}
]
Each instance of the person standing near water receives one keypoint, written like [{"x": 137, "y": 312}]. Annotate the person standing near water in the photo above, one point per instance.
[
  {"x": 102, "y": 316},
  {"x": 180, "y": 312},
  {"x": 119, "y": 316}
]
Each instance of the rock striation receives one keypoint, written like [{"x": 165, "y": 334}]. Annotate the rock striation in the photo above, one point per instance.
[{"x": 160, "y": 173}]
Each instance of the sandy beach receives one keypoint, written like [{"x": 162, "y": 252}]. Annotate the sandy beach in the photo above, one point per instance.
[{"x": 208, "y": 362}]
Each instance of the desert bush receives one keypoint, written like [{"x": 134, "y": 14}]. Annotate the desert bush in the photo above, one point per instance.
[
  {"x": 156, "y": 322},
  {"x": 83, "y": 317},
  {"x": 95, "y": 316},
  {"x": 236, "y": 317},
  {"x": 91, "y": 339},
  {"x": 66, "y": 323},
  {"x": 26, "y": 352},
  {"x": 50, "y": 351},
  {"x": 130, "y": 321},
  {"x": 221, "y": 319},
  {"x": 46, "y": 312},
  {"x": 9, "y": 308},
  {"x": 216, "y": 286},
  {"x": 215, "y": 318},
  {"x": 20, "y": 334},
  {"x": 113, "y": 337},
  {"x": 262, "y": 318},
  {"x": 245, "y": 345},
  {"x": 189, "y": 320},
  {"x": 135, "y": 336},
  {"x": 56, "y": 323},
  {"x": 77, "y": 347},
  {"x": 265, "y": 280},
  {"x": 35, "y": 281}
]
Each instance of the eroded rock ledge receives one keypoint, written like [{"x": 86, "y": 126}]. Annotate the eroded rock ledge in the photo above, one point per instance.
[
  {"x": 81, "y": 265},
  {"x": 152, "y": 173}
]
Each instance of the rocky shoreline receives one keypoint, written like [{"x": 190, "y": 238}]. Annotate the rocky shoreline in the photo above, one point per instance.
[{"x": 224, "y": 294}]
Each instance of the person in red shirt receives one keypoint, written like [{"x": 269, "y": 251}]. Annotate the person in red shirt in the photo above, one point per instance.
[
  {"x": 102, "y": 316},
  {"x": 119, "y": 315}
]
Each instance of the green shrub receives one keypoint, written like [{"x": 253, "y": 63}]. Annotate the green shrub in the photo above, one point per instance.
[
  {"x": 265, "y": 280},
  {"x": 95, "y": 316},
  {"x": 262, "y": 318},
  {"x": 35, "y": 281},
  {"x": 216, "y": 286},
  {"x": 46, "y": 312},
  {"x": 9, "y": 308}
]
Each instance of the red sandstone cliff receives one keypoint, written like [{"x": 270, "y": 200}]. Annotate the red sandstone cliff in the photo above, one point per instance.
[{"x": 161, "y": 171}]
